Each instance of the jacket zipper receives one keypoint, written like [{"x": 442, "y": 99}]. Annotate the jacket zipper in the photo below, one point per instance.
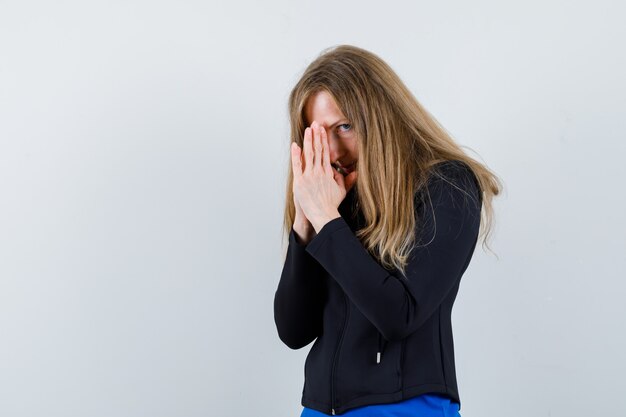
[{"x": 332, "y": 370}]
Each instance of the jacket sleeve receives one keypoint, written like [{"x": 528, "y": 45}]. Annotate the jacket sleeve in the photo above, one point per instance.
[
  {"x": 393, "y": 304},
  {"x": 300, "y": 297}
]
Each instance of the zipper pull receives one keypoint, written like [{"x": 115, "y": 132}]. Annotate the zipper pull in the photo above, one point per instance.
[
  {"x": 377, "y": 357},
  {"x": 379, "y": 350},
  {"x": 332, "y": 410}
]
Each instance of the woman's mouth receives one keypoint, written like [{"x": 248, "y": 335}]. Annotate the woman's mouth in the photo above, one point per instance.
[{"x": 349, "y": 168}]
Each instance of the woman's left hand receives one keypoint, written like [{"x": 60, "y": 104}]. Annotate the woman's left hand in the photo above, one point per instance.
[{"x": 318, "y": 187}]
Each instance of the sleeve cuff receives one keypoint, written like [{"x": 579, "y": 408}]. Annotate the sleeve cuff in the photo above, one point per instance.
[
  {"x": 293, "y": 240},
  {"x": 326, "y": 230}
]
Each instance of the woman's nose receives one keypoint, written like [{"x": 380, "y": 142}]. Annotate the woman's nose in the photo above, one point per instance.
[
  {"x": 333, "y": 152},
  {"x": 333, "y": 156}
]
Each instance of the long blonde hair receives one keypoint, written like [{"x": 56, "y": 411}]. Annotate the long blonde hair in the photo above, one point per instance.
[{"x": 398, "y": 143}]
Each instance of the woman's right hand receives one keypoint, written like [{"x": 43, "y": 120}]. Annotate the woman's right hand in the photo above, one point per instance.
[{"x": 301, "y": 225}]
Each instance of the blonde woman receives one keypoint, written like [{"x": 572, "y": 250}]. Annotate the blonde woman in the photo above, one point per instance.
[{"x": 384, "y": 211}]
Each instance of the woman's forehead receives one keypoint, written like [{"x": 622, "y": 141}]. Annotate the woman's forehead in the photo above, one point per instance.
[{"x": 323, "y": 108}]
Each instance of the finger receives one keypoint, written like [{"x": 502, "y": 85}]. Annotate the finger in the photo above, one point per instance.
[
  {"x": 339, "y": 179},
  {"x": 303, "y": 166},
  {"x": 308, "y": 150},
  {"x": 296, "y": 161},
  {"x": 325, "y": 151},
  {"x": 336, "y": 175},
  {"x": 350, "y": 179},
  {"x": 302, "y": 159},
  {"x": 317, "y": 146}
]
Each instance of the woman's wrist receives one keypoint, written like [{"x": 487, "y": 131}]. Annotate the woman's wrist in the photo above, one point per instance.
[{"x": 304, "y": 231}]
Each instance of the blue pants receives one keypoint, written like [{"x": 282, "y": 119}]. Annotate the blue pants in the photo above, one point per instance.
[{"x": 425, "y": 405}]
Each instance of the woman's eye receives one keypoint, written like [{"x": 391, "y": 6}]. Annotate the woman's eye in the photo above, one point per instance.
[{"x": 346, "y": 124}]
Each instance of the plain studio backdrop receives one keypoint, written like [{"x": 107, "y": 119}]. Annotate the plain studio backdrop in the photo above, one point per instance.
[{"x": 143, "y": 157}]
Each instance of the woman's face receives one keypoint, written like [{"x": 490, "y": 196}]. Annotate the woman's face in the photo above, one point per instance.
[{"x": 341, "y": 137}]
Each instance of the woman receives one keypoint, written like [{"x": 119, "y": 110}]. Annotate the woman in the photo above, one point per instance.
[{"x": 373, "y": 266}]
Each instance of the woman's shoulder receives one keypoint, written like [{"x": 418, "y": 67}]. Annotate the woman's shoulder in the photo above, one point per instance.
[
  {"x": 455, "y": 177},
  {"x": 456, "y": 171},
  {"x": 452, "y": 168}
]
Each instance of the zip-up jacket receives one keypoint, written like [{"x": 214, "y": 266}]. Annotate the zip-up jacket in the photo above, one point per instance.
[{"x": 380, "y": 337}]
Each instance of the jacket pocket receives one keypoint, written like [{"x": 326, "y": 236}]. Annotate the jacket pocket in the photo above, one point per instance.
[
  {"x": 368, "y": 365},
  {"x": 379, "y": 350}
]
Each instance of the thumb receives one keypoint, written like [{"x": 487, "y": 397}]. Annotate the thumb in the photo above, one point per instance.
[
  {"x": 350, "y": 179},
  {"x": 339, "y": 179}
]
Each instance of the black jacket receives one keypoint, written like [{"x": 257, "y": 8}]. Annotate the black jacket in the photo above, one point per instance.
[{"x": 380, "y": 338}]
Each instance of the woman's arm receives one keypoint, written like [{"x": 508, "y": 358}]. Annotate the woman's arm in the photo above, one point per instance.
[
  {"x": 397, "y": 307},
  {"x": 300, "y": 296}
]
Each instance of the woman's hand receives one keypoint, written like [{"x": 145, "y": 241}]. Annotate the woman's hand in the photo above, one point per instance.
[
  {"x": 318, "y": 188},
  {"x": 301, "y": 225}
]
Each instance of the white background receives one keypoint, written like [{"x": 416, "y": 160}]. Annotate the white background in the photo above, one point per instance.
[{"x": 143, "y": 160}]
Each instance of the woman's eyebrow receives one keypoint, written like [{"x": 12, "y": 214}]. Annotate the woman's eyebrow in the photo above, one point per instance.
[{"x": 336, "y": 123}]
